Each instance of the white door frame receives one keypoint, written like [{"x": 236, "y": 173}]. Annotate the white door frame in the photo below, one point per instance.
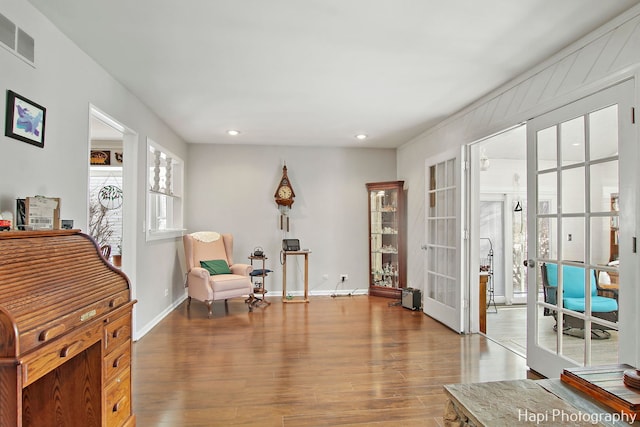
[
  {"x": 130, "y": 185},
  {"x": 472, "y": 219}
]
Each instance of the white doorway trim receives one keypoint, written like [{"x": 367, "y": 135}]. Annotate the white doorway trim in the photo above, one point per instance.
[
  {"x": 473, "y": 199},
  {"x": 130, "y": 185}
]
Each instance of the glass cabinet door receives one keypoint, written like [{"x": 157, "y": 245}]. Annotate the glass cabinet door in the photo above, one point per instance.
[{"x": 386, "y": 238}]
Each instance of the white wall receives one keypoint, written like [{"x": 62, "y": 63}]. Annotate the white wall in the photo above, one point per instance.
[
  {"x": 65, "y": 81},
  {"x": 231, "y": 189},
  {"x": 603, "y": 58}
]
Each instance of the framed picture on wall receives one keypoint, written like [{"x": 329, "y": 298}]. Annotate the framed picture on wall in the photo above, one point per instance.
[
  {"x": 25, "y": 120},
  {"x": 100, "y": 157}
]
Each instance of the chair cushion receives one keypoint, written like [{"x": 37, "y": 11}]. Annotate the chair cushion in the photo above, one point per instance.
[
  {"x": 216, "y": 266},
  {"x": 230, "y": 282},
  {"x": 572, "y": 279},
  {"x": 573, "y": 289},
  {"x": 598, "y": 304}
]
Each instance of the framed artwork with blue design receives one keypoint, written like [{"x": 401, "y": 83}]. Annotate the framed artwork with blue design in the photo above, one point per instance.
[{"x": 25, "y": 120}]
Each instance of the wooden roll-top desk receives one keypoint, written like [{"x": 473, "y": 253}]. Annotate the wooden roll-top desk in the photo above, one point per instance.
[{"x": 65, "y": 333}]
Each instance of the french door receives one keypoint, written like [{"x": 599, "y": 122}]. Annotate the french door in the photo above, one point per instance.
[
  {"x": 581, "y": 214},
  {"x": 443, "y": 285}
]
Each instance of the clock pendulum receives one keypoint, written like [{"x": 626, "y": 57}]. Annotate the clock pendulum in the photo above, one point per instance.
[
  {"x": 284, "y": 198},
  {"x": 284, "y": 213}
]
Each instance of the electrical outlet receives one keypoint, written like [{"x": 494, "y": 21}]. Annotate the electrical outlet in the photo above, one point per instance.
[
  {"x": 166, "y": 292},
  {"x": 344, "y": 277}
]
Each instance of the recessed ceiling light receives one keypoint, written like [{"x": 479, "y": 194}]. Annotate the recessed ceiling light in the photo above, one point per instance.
[
  {"x": 233, "y": 132},
  {"x": 361, "y": 136}
]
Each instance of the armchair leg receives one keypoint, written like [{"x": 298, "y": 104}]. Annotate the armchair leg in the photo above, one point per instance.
[
  {"x": 188, "y": 302},
  {"x": 210, "y": 308}
]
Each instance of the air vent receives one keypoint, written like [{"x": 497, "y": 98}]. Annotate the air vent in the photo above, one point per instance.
[
  {"x": 26, "y": 45},
  {"x": 17, "y": 40},
  {"x": 7, "y": 32}
]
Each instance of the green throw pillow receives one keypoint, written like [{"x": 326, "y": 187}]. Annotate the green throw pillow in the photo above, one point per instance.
[{"x": 216, "y": 266}]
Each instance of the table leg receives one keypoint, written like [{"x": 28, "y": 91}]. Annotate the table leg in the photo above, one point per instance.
[
  {"x": 306, "y": 277},
  {"x": 284, "y": 277}
]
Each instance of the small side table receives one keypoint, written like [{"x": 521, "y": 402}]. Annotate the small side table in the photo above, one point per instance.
[
  {"x": 306, "y": 276},
  {"x": 260, "y": 289}
]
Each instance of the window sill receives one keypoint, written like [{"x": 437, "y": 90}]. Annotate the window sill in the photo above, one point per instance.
[
  {"x": 162, "y": 193},
  {"x": 164, "y": 234}
]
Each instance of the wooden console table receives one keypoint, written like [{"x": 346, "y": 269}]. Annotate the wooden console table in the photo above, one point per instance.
[
  {"x": 306, "y": 276},
  {"x": 484, "y": 278},
  {"x": 548, "y": 402}
]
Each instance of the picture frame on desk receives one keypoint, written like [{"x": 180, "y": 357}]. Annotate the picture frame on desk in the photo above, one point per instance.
[{"x": 25, "y": 120}]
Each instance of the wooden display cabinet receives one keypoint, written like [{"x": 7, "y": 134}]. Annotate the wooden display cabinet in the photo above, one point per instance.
[{"x": 387, "y": 235}]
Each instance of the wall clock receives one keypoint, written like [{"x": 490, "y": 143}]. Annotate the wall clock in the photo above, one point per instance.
[{"x": 284, "y": 198}]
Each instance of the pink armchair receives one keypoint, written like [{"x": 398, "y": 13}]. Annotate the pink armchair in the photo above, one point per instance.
[{"x": 207, "y": 287}]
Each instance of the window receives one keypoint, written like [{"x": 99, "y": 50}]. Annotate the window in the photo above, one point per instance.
[{"x": 165, "y": 174}]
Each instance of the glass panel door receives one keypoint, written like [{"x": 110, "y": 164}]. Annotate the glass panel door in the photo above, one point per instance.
[
  {"x": 443, "y": 287},
  {"x": 573, "y": 176}
]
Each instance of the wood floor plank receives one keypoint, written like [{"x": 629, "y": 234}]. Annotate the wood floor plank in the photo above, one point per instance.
[{"x": 333, "y": 362}]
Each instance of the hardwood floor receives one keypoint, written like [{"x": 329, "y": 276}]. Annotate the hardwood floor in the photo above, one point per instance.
[
  {"x": 342, "y": 361},
  {"x": 508, "y": 326}
]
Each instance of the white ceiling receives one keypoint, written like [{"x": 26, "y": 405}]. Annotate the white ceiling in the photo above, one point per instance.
[
  {"x": 101, "y": 131},
  {"x": 318, "y": 72}
]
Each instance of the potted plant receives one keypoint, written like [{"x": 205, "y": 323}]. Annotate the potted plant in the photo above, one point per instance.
[
  {"x": 99, "y": 226},
  {"x": 108, "y": 198},
  {"x": 117, "y": 257}
]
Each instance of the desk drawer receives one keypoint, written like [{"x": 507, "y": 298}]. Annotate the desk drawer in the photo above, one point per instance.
[
  {"x": 116, "y": 361},
  {"x": 118, "y": 399},
  {"x": 54, "y": 354},
  {"x": 117, "y": 332}
]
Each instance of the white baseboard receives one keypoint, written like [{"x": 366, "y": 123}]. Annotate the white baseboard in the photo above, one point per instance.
[
  {"x": 139, "y": 333},
  {"x": 328, "y": 292}
]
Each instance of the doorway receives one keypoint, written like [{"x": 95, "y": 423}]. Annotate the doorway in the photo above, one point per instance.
[
  {"x": 115, "y": 144},
  {"x": 499, "y": 234},
  {"x": 106, "y": 195}
]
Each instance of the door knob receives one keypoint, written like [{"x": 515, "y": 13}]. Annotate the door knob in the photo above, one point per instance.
[{"x": 530, "y": 263}]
